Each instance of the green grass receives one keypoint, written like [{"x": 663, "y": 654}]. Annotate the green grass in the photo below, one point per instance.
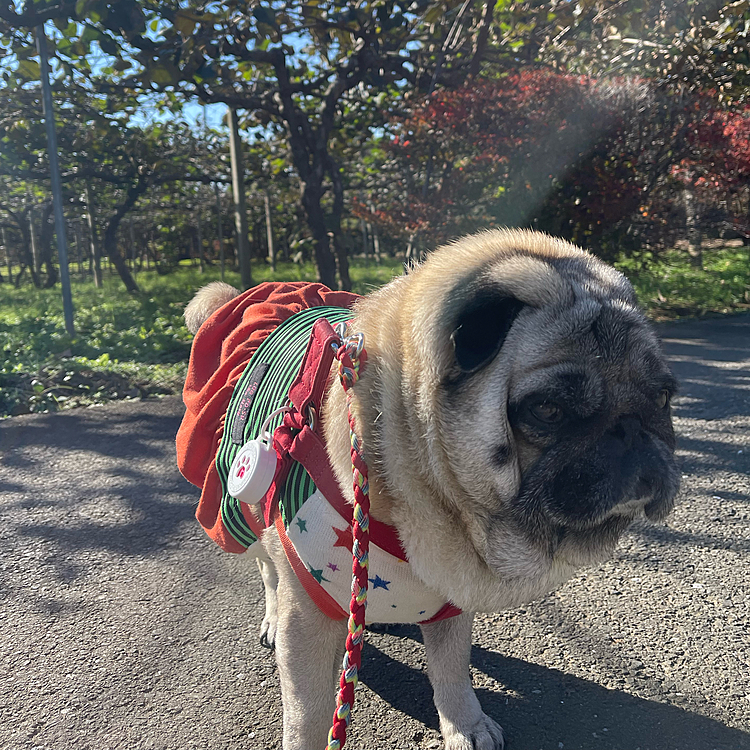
[
  {"x": 131, "y": 346},
  {"x": 669, "y": 287},
  {"x": 125, "y": 346}
]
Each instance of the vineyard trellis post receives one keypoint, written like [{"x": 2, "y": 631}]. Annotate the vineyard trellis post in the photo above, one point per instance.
[{"x": 54, "y": 166}]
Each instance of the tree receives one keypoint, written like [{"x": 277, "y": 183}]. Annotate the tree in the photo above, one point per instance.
[
  {"x": 596, "y": 162},
  {"x": 301, "y": 70},
  {"x": 17, "y": 221},
  {"x": 715, "y": 174},
  {"x": 325, "y": 77},
  {"x": 99, "y": 144},
  {"x": 688, "y": 46}
]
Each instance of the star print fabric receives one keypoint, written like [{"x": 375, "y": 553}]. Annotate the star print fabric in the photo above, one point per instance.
[{"x": 323, "y": 542}]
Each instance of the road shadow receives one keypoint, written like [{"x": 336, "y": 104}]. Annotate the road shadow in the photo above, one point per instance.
[
  {"x": 125, "y": 436},
  {"x": 83, "y": 487},
  {"x": 709, "y": 358},
  {"x": 541, "y": 708}
]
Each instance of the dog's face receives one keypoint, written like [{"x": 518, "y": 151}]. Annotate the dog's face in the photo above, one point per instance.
[
  {"x": 544, "y": 399},
  {"x": 571, "y": 395}
]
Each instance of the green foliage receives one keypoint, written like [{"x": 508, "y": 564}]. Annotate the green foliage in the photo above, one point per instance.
[
  {"x": 132, "y": 346},
  {"x": 310, "y": 72},
  {"x": 685, "y": 46},
  {"x": 127, "y": 346}
]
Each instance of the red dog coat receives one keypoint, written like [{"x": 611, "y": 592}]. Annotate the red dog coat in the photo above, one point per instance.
[
  {"x": 228, "y": 388},
  {"x": 221, "y": 349}
]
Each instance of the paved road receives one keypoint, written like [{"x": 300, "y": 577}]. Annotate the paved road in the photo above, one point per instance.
[{"x": 123, "y": 627}]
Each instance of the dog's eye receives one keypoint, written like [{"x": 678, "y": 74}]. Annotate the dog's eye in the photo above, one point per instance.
[
  {"x": 546, "y": 412},
  {"x": 662, "y": 400}
]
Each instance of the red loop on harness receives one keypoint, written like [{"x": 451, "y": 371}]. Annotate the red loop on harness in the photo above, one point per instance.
[{"x": 308, "y": 389}]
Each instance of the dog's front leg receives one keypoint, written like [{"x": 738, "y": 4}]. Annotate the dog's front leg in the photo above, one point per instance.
[
  {"x": 462, "y": 722},
  {"x": 309, "y": 647},
  {"x": 270, "y": 583}
]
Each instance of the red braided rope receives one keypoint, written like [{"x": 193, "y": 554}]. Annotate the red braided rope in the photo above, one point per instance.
[{"x": 352, "y": 357}]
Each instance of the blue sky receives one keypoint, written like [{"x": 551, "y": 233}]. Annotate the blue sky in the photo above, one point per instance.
[{"x": 193, "y": 113}]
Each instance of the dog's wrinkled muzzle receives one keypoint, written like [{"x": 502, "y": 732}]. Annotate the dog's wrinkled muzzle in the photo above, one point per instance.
[{"x": 580, "y": 488}]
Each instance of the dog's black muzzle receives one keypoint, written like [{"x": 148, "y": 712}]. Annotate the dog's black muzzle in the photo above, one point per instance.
[{"x": 626, "y": 472}]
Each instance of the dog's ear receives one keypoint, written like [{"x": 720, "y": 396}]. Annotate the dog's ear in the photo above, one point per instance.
[{"x": 482, "y": 326}]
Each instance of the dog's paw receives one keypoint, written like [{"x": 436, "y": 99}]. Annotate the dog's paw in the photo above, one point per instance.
[
  {"x": 268, "y": 631},
  {"x": 485, "y": 734}
]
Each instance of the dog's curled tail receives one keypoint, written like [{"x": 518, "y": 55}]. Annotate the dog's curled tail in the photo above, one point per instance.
[{"x": 206, "y": 302}]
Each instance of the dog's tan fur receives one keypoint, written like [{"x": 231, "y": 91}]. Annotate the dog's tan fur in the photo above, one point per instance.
[
  {"x": 206, "y": 301},
  {"x": 432, "y": 475}
]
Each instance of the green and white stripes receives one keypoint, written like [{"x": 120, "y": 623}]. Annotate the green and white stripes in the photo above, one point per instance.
[{"x": 282, "y": 351}]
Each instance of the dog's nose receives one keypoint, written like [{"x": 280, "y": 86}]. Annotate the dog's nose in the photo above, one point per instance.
[{"x": 627, "y": 430}]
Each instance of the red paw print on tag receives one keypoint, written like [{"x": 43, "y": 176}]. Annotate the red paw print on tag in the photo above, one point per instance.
[{"x": 242, "y": 468}]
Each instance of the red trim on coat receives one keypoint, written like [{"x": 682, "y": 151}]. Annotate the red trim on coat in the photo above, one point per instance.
[{"x": 447, "y": 610}]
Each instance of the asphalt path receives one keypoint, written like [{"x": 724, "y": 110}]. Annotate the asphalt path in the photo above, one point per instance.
[{"x": 123, "y": 626}]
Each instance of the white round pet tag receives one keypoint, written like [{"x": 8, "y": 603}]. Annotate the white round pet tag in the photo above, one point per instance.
[{"x": 252, "y": 471}]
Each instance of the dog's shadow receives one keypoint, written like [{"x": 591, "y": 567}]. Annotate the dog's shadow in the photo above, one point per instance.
[{"x": 545, "y": 708}]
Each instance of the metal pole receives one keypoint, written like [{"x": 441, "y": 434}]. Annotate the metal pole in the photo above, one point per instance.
[
  {"x": 96, "y": 259},
  {"x": 238, "y": 190},
  {"x": 7, "y": 256},
  {"x": 132, "y": 245},
  {"x": 199, "y": 230},
  {"x": 79, "y": 249},
  {"x": 219, "y": 228},
  {"x": 34, "y": 244},
  {"x": 54, "y": 166},
  {"x": 269, "y": 232}
]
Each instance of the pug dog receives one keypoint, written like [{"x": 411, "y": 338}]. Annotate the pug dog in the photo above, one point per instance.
[{"x": 515, "y": 418}]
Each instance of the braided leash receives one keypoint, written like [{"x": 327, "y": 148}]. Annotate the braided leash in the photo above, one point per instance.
[{"x": 352, "y": 357}]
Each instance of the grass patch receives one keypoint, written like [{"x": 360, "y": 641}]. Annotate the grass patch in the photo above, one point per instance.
[
  {"x": 670, "y": 287},
  {"x": 136, "y": 346},
  {"x": 125, "y": 346}
]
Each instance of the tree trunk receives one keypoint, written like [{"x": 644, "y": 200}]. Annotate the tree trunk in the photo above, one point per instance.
[
  {"x": 324, "y": 260},
  {"x": 372, "y": 229},
  {"x": 219, "y": 228},
  {"x": 26, "y": 258},
  {"x": 375, "y": 243},
  {"x": 96, "y": 263},
  {"x": 110, "y": 235},
  {"x": 44, "y": 243},
  {"x": 692, "y": 226},
  {"x": 132, "y": 245},
  {"x": 411, "y": 249},
  {"x": 19, "y": 276},
  {"x": 115, "y": 256},
  {"x": 342, "y": 259}
]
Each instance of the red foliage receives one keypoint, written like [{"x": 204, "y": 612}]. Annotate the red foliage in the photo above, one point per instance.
[
  {"x": 566, "y": 154},
  {"x": 720, "y": 160},
  {"x": 495, "y": 152}
]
